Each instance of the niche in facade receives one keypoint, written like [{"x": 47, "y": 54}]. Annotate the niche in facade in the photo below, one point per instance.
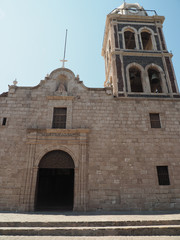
[
  {"x": 155, "y": 81},
  {"x": 146, "y": 41},
  {"x": 129, "y": 37},
  {"x": 135, "y": 80}
]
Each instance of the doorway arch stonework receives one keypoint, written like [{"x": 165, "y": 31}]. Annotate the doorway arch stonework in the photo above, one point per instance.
[
  {"x": 56, "y": 159},
  {"x": 72, "y": 141}
]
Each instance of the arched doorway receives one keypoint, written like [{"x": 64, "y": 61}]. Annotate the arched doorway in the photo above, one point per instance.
[{"x": 55, "y": 182}]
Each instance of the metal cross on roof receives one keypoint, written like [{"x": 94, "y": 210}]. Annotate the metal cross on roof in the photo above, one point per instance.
[{"x": 63, "y": 61}]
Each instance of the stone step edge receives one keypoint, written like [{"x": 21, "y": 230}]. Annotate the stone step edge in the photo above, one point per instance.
[
  {"x": 90, "y": 223},
  {"x": 95, "y": 227},
  {"x": 95, "y": 231}
]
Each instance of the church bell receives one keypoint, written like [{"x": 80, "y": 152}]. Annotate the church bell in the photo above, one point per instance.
[
  {"x": 132, "y": 75},
  {"x": 154, "y": 78}
]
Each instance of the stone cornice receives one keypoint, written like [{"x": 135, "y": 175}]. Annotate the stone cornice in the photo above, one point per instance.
[
  {"x": 58, "y": 131},
  {"x": 167, "y": 97},
  {"x": 144, "y": 19},
  {"x": 60, "y": 98},
  {"x": 134, "y": 18},
  {"x": 143, "y": 54}
]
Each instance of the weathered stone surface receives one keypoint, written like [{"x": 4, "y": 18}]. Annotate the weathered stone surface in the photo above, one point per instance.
[{"x": 114, "y": 148}]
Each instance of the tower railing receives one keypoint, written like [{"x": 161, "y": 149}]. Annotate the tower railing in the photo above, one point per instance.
[{"x": 147, "y": 12}]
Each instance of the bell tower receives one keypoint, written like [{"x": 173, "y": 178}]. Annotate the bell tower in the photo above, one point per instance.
[{"x": 137, "y": 62}]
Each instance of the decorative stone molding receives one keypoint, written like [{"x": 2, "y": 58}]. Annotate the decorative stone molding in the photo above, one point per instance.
[
  {"x": 72, "y": 141},
  {"x": 58, "y": 131},
  {"x": 60, "y": 98}
]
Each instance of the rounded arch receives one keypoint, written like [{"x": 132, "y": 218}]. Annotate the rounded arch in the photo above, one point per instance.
[
  {"x": 158, "y": 77},
  {"x": 147, "y": 38},
  {"x": 155, "y": 66},
  {"x": 134, "y": 64},
  {"x": 145, "y": 29},
  {"x": 140, "y": 78},
  {"x": 64, "y": 71},
  {"x": 50, "y": 149},
  {"x": 130, "y": 38},
  {"x": 129, "y": 28},
  {"x": 56, "y": 159}
]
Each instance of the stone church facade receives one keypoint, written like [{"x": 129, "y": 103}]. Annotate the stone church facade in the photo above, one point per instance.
[{"x": 68, "y": 147}]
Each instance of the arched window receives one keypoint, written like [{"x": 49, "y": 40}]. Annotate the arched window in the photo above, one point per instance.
[
  {"x": 146, "y": 40},
  {"x": 129, "y": 37},
  {"x": 135, "y": 80},
  {"x": 155, "y": 80}
]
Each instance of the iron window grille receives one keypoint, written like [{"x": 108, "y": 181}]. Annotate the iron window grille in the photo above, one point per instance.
[
  {"x": 59, "y": 118},
  {"x": 155, "y": 120},
  {"x": 4, "y": 121},
  {"x": 163, "y": 175}
]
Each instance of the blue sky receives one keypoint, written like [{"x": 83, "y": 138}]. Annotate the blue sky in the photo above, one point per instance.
[{"x": 33, "y": 32}]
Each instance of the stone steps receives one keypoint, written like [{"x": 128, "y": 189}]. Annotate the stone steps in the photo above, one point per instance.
[
  {"x": 89, "y": 223},
  {"x": 92, "y": 228},
  {"x": 2, "y": 237}
]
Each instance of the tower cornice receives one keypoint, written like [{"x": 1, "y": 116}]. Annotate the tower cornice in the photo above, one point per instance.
[
  {"x": 129, "y": 18},
  {"x": 137, "y": 18}
]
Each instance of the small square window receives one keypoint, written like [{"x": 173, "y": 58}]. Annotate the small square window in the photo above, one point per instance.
[
  {"x": 155, "y": 120},
  {"x": 59, "y": 118},
  {"x": 163, "y": 175},
  {"x": 4, "y": 121}
]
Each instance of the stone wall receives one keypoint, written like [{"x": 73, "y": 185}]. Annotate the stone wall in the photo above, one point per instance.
[{"x": 110, "y": 140}]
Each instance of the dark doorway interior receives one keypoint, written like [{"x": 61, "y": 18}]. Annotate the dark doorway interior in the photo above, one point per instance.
[{"x": 55, "y": 189}]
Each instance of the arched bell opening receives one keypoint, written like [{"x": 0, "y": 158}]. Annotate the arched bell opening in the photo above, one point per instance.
[
  {"x": 155, "y": 81},
  {"x": 55, "y": 182},
  {"x": 135, "y": 80},
  {"x": 130, "y": 42},
  {"x": 146, "y": 41}
]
